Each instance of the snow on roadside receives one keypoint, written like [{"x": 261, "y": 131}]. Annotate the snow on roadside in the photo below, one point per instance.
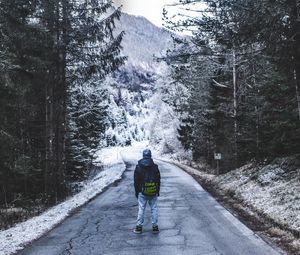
[
  {"x": 272, "y": 190},
  {"x": 17, "y": 237}
]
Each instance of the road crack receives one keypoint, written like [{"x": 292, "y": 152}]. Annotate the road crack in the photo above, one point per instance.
[{"x": 68, "y": 251}]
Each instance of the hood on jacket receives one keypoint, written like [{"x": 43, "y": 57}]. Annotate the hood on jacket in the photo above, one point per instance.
[
  {"x": 147, "y": 153},
  {"x": 146, "y": 162}
]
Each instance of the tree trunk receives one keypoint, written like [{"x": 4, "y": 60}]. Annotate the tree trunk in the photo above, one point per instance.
[
  {"x": 257, "y": 151},
  {"x": 234, "y": 102},
  {"x": 49, "y": 106},
  {"x": 297, "y": 91},
  {"x": 296, "y": 58},
  {"x": 4, "y": 196},
  {"x": 55, "y": 113},
  {"x": 60, "y": 101}
]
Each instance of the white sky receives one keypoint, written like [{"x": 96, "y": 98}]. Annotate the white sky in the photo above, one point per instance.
[{"x": 151, "y": 9}]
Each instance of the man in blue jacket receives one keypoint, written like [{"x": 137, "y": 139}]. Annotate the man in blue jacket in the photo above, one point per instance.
[{"x": 147, "y": 187}]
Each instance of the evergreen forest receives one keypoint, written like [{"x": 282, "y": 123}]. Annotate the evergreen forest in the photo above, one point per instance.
[
  {"x": 239, "y": 72},
  {"x": 53, "y": 55}
]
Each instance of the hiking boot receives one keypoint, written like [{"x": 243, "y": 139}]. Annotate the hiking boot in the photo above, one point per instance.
[
  {"x": 155, "y": 229},
  {"x": 138, "y": 230}
]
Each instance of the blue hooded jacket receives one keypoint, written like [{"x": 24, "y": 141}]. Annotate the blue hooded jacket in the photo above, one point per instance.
[{"x": 145, "y": 164}]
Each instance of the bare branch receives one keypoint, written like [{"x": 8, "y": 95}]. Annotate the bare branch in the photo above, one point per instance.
[{"x": 219, "y": 84}]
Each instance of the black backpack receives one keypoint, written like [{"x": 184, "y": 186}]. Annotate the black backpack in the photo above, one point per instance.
[{"x": 149, "y": 186}]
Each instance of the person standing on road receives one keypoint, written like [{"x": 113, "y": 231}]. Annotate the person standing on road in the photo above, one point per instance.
[{"x": 147, "y": 187}]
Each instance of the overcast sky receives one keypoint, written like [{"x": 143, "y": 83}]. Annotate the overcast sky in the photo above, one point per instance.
[{"x": 151, "y": 9}]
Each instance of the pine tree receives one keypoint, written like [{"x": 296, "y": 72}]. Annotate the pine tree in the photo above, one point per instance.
[
  {"x": 48, "y": 50},
  {"x": 255, "y": 45},
  {"x": 24, "y": 66},
  {"x": 94, "y": 52},
  {"x": 87, "y": 124}
]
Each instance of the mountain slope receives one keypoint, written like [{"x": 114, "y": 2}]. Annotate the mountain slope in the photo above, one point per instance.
[
  {"x": 142, "y": 39},
  {"x": 136, "y": 87}
]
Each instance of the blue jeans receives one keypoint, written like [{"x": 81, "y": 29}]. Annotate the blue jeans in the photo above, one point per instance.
[{"x": 142, "y": 200}]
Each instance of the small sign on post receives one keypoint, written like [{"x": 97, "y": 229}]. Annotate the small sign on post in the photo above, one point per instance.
[{"x": 218, "y": 157}]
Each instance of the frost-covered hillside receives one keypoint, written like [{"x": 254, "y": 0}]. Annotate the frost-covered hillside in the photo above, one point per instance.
[
  {"x": 135, "y": 89},
  {"x": 265, "y": 193},
  {"x": 142, "y": 40}
]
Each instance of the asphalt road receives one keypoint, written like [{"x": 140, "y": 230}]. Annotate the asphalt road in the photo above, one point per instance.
[{"x": 191, "y": 222}]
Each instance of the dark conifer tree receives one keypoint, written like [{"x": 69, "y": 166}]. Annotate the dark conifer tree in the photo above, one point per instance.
[
  {"x": 255, "y": 45},
  {"x": 22, "y": 72},
  {"x": 93, "y": 53},
  {"x": 50, "y": 49}
]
